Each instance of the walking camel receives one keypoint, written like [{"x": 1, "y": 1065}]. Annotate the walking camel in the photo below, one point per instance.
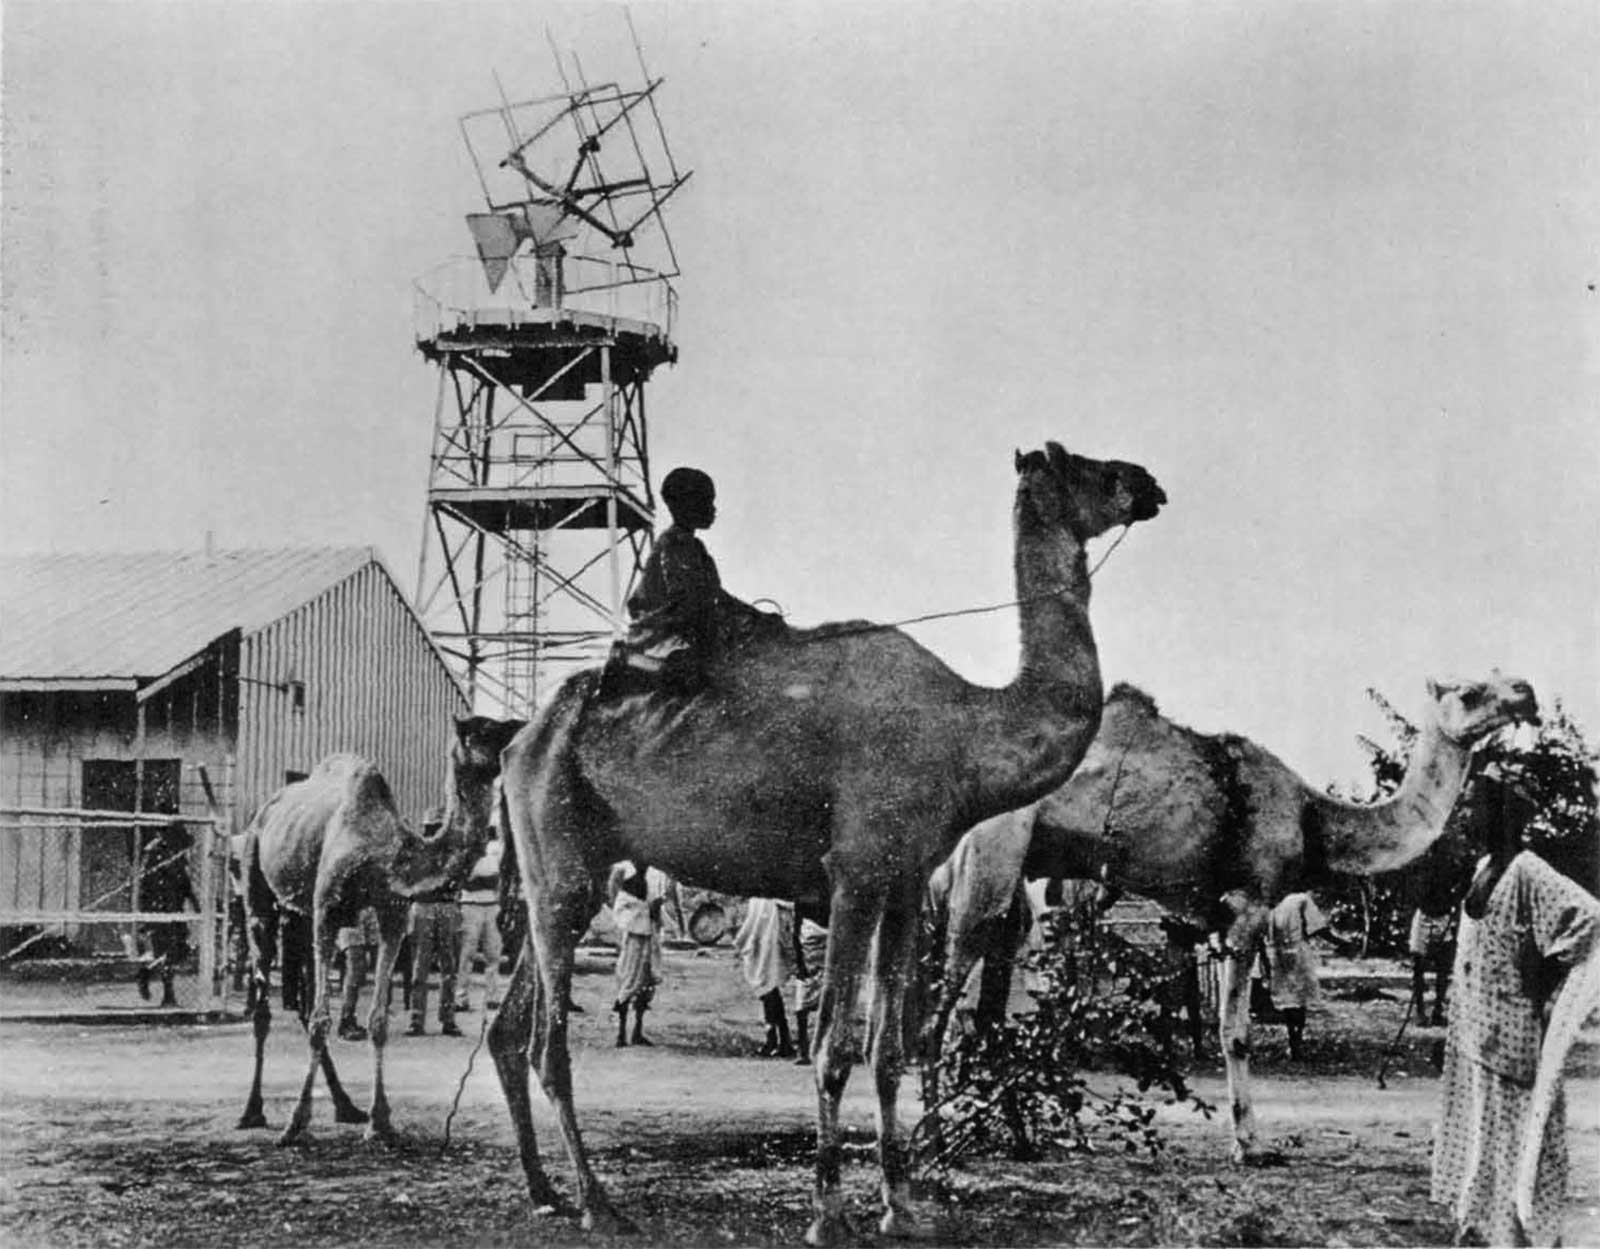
[
  {"x": 1214, "y": 828},
  {"x": 332, "y": 844},
  {"x": 832, "y": 766}
]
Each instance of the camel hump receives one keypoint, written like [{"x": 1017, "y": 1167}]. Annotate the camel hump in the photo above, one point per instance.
[
  {"x": 342, "y": 767},
  {"x": 1133, "y": 700},
  {"x": 831, "y": 629},
  {"x": 338, "y": 780}
]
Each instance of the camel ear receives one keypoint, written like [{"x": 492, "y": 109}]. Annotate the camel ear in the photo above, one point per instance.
[
  {"x": 1058, "y": 459},
  {"x": 1016, "y": 459}
]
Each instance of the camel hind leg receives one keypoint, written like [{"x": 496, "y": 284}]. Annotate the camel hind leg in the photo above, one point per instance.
[
  {"x": 1233, "y": 1019},
  {"x": 261, "y": 932},
  {"x": 1002, "y": 940},
  {"x": 853, "y": 917},
  {"x": 391, "y": 932},
  {"x": 511, "y": 1040}
]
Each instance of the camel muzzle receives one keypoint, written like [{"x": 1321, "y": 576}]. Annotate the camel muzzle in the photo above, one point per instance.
[{"x": 1149, "y": 502}]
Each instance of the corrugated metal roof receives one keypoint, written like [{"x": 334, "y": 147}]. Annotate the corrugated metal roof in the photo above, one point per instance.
[{"x": 82, "y": 617}]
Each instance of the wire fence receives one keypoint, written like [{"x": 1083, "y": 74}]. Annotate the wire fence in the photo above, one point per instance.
[{"x": 88, "y": 894}]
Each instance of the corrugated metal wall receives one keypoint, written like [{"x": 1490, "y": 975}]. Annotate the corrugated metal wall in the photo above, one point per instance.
[{"x": 373, "y": 685}]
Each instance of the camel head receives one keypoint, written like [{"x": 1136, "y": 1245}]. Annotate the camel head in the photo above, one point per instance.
[
  {"x": 1468, "y": 711},
  {"x": 454, "y": 839},
  {"x": 1087, "y": 496},
  {"x": 474, "y": 768}
]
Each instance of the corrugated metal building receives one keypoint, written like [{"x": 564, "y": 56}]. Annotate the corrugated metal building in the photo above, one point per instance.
[{"x": 122, "y": 674}]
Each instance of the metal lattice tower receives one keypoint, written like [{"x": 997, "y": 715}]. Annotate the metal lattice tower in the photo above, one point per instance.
[{"x": 539, "y": 508}]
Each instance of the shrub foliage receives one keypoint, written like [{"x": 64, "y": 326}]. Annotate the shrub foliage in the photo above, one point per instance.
[{"x": 1101, "y": 1005}]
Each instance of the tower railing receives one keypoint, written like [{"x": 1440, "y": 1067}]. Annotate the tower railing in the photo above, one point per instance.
[{"x": 455, "y": 296}]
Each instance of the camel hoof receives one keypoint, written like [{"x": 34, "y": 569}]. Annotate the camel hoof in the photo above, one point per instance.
[
  {"x": 291, "y": 1136},
  {"x": 899, "y": 1225},
  {"x": 350, "y": 1114},
  {"x": 380, "y": 1134},
  {"x": 546, "y": 1203},
  {"x": 252, "y": 1119},
  {"x": 829, "y": 1230},
  {"x": 607, "y": 1222}
]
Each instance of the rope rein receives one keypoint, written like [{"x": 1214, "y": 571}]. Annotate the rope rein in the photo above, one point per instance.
[
  {"x": 483, "y": 1031},
  {"x": 877, "y": 627}
]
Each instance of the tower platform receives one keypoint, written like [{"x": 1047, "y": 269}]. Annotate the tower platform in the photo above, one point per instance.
[
  {"x": 502, "y": 509},
  {"x": 528, "y": 344}
]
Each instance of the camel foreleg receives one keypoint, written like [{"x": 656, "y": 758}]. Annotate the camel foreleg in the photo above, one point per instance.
[
  {"x": 850, "y": 928},
  {"x": 511, "y": 1040},
  {"x": 391, "y": 932},
  {"x": 1233, "y": 1019},
  {"x": 261, "y": 929},
  {"x": 552, "y": 923},
  {"x": 895, "y": 953}
]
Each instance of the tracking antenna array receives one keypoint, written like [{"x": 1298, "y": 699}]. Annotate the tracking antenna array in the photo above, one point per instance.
[{"x": 577, "y": 181}]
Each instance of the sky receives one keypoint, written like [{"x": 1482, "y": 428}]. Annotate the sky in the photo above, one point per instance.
[{"x": 1327, "y": 269}]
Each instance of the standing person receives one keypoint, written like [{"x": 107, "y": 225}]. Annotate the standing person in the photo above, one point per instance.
[
  {"x": 766, "y": 947},
  {"x": 1182, "y": 988},
  {"x": 435, "y": 933},
  {"x": 1291, "y": 962},
  {"x": 1431, "y": 949},
  {"x": 638, "y": 920},
  {"x": 808, "y": 984},
  {"x": 1500, "y": 1151},
  {"x": 354, "y": 943},
  {"x": 480, "y": 928},
  {"x": 165, "y": 887}
]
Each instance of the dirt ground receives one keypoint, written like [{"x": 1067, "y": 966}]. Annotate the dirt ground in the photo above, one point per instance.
[{"x": 117, "y": 1135}]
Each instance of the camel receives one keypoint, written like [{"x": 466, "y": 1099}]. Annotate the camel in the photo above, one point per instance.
[
  {"x": 1215, "y": 829},
  {"x": 328, "y": 846},
  {"x": 833, "y": 767}
]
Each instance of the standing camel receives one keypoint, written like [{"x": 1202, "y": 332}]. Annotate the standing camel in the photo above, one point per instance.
[
  {"x": 832, "y": 767},
  {"x": 1214, "y": 828},
  {"x": 329, "y": 845}
]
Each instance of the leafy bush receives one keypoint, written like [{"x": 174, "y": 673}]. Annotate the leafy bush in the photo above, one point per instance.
[{"x": 1100, "y": 1004}]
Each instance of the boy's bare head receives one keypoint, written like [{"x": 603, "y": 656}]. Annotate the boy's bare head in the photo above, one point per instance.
[{"x": 691, "y": 497}]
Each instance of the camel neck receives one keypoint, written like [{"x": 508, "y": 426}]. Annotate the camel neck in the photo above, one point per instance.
[
  {"x": 440, "y": 863},
  {"x": 1387, "y": 835},
  {"x": 1030, "y": 735},
  {"x": 1052, "y": 582}
]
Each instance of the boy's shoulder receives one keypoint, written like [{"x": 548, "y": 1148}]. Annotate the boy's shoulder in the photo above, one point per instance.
[
  {"x": 674, "y": 535},
  {"x": 676, "y": 543}
]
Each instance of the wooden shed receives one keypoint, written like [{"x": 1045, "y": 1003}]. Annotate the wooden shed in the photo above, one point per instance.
[{"x": 191, "y": 685}]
